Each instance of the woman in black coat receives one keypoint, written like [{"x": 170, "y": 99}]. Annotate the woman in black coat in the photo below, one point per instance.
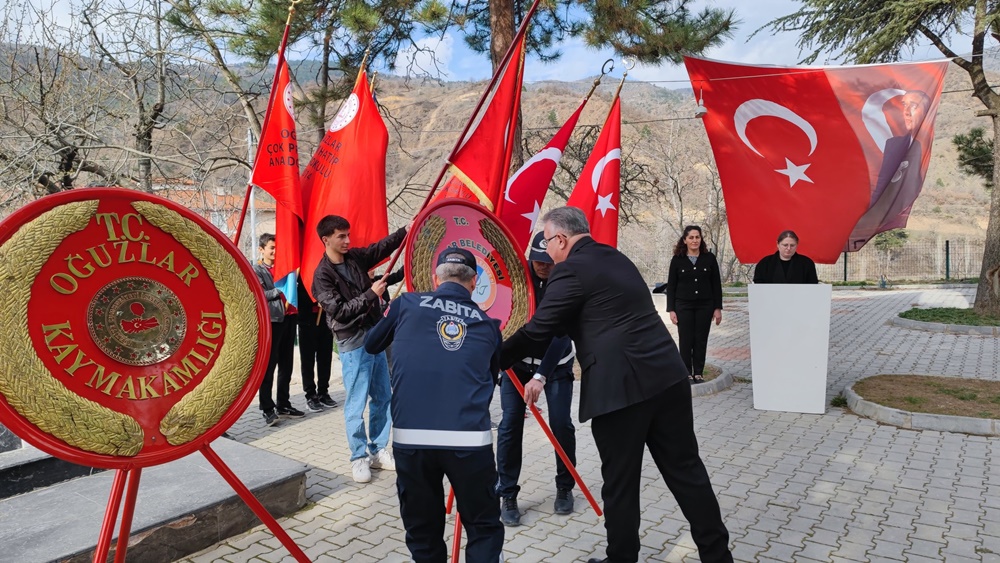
[
  {"x": 694, "y": 298},
  {"x": 785, "y": 265}
]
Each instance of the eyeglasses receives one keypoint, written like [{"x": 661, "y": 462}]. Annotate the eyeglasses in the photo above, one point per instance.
[{"x": 548, "y": 240}]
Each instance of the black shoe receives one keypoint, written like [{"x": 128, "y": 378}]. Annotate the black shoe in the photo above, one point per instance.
[
  {"x": 313, "y": 405},
  {"x": 326, "y": 401},
  {"x": 270, "y": 418},
  {"x": 290, "y": 412},
  {"x": 596, "y": 560},
  {"x": 509, "y": 514},
  {"x": 564, "y": 501}
]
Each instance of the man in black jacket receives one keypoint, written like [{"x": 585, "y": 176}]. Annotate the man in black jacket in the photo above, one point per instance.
[
  {"x": 282, "y": 315},
  {"x": 634, "y": 384},
  {"x": 352, "y": 303}
]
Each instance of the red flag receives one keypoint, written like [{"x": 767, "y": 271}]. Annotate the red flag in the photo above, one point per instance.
[
  {"x": 526, "y": 189},
  {"x": 794, "y": 151},
  {"x": 598, "y": 189},
  {"x": 346, "y": 177},
  {"x": 482, "y": 160},
  {"x": 454, "y": 188},
  {"x": 276, "y": 170}
]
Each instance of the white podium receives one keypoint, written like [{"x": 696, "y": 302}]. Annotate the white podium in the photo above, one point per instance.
[{"x": 789, "y": 346}]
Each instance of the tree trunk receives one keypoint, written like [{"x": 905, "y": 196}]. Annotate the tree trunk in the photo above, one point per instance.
[
  {"x": 988, "y": 291},
  {"x": 501, "y": 37}
]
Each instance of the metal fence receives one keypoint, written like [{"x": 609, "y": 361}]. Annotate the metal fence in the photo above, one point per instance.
[
  {"x": 918, "y": 260},
  {"x": 915, "y": 260}
]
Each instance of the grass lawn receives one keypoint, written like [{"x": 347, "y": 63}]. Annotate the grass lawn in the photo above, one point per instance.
[
  {"x": 950, "y": 316},
  {"x": 933, "y": 394}
]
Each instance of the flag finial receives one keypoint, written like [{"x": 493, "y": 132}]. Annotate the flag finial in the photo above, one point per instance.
[{"x": 291, "y": 10}]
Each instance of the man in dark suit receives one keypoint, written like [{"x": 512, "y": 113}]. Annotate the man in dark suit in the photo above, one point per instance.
[{"x": 634, "y": 384}]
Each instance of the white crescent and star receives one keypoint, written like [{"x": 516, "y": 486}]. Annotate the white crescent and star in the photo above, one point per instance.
[
  {"x": 595, "y": 176},
  {"x": 604, "y": 202},
  {"x": 764, "y": 108},
  {"x": 548, "y": 153}
]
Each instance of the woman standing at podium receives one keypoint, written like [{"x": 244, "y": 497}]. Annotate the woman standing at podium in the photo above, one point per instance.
[
  {"x": 694, "y": 298},
  {"x": 785, "y": 265}
]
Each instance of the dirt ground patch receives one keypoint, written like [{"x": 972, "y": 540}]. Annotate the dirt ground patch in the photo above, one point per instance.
[{"x": 933, "y": 394}]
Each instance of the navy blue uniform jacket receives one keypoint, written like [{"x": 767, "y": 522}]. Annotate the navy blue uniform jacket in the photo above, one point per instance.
[{"x": 446, "y": 354}]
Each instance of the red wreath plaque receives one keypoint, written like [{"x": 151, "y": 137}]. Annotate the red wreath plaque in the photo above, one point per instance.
[
  {"x": 133, "y": 331},
  {"x": 502, "y": 288}
]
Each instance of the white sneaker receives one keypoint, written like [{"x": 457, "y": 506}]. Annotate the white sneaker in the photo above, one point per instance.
[
  {"x": 361, "y": 471},
  {"x": 383, "y": 460}
]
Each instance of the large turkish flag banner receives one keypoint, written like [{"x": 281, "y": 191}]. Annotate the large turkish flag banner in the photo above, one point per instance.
[{"x": 810, "y": 149}]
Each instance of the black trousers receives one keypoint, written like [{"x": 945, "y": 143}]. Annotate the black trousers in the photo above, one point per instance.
[
  {"x": 315, "y": 354},
  {"x": 282, "y": 350},
  {"x": 694, "y": 321},
  {"x": 664, "y": 424},
  {"x": 472, "y": 475}
]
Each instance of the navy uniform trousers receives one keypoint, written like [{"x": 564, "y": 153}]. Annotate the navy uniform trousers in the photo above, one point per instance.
[
  {"x": 510, "y": 434},
  {"x": 472, "y": 475}
]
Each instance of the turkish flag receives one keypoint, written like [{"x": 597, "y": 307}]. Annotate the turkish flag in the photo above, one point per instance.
[
  {"x": 346, "y": 177},
  {"x": 598, "y": 189},
  {"x": 276, "y": 170},
  {"x": 527, "y": 187},
  {"x": 482, "y": 160},
  {"x": 794, "y": 150}
]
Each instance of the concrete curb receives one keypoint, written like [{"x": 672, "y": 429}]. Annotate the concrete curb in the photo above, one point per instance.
[
  {"x": 945, "y": 328},
  {"x": 918, "y": 420},
  {"x": 721, "y": 383}
]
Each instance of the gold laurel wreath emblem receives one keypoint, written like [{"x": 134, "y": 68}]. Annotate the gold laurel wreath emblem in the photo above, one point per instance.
[
  {"x": 25, "y": 382},
  {"x": 429, "y": 238},
  {"x": 202, "y": 408},
  {"x": 424, "y": 244},
  {"x": 518, "y": 277},
  {"x": 32, "y": 392}
]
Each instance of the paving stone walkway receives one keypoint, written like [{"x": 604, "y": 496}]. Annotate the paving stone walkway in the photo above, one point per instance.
[{"x": 793, "y": 487}]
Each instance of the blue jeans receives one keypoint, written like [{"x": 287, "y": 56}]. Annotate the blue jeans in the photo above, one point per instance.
[
  {"x": 510, "y": 434},
  {"x": 366, "y": 377}
]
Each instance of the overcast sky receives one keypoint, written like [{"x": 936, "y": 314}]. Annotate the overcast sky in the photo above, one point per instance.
[{"x": 579, "y": 61}]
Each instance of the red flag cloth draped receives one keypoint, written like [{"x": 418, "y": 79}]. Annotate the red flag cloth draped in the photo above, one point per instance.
[
  {"x": 276, "y": 170},
  {"x": 891, "y": 109},
  {"x": 527, "y": 187},
  {"x": 482, "y": 160},
  {"x": 346, "y": 177},
  {"x": 795, "y": 151},
  {"x": 598, "y": 189}
]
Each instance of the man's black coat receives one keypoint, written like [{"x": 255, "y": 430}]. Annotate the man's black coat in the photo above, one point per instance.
[{"x": 599, "y": 299}]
